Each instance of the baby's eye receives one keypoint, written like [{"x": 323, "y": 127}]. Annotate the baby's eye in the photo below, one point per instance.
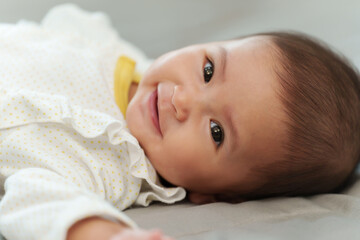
[
  {"x": 216, "y": 132},
  {"x": 208, "y": 71}
]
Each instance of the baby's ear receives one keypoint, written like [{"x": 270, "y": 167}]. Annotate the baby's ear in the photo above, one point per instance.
[{"x": 203, "y": 198}]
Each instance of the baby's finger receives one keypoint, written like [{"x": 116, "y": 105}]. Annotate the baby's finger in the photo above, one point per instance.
[
  {"x": 155, "y": 235},
  {"x": 158, "y": 235},
  {"x": 168, "y": 238}
]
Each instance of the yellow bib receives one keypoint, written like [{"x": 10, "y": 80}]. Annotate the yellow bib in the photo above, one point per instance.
[{"x": 123, "y": 77}]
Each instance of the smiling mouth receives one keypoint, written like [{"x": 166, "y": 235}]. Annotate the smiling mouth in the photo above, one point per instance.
[{"x": 154, "y": 111}]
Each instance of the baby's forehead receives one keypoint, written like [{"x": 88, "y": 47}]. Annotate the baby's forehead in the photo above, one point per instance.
[{"x": 260, "y": 50}]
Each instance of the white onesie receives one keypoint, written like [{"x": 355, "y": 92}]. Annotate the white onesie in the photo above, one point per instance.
[{"x": 65, "y": 151}]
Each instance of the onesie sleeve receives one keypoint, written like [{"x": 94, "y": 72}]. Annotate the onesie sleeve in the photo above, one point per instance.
[
  {"x": 41, "y": 204},
  {"x": 59, "y": 163}
]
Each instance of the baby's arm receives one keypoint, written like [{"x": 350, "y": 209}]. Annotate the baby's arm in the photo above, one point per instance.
[
  {"x": 94, "y": 228},
  {"x": 41, "y": 204}
]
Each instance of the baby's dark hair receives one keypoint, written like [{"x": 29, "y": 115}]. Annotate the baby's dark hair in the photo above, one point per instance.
[{"x": 320, "y": 92}]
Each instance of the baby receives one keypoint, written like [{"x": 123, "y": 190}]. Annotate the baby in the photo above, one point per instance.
[{"x": 272, "y": 114}]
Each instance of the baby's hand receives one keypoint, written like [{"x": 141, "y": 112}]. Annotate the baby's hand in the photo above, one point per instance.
[
  {"x": 140, "y": 234},
  {"x": 96, "y": 228}
]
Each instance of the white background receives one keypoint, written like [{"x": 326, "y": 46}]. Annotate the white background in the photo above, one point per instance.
[{"x": 157, "y": 26}]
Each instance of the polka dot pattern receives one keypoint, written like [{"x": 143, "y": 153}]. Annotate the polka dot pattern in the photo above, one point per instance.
[{"x": 65, "y": 151}]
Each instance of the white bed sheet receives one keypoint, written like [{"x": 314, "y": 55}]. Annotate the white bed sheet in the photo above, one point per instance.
[{"x": 325, "y": 216}]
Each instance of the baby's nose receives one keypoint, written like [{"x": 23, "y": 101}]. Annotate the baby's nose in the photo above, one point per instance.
[{"x": 182, "y": 101}]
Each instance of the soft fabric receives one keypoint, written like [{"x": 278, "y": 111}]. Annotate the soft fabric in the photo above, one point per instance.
[{"x": 66, "y": 153}]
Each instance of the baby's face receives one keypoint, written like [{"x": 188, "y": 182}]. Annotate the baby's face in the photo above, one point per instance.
[{"x": 207, "y": 114}]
